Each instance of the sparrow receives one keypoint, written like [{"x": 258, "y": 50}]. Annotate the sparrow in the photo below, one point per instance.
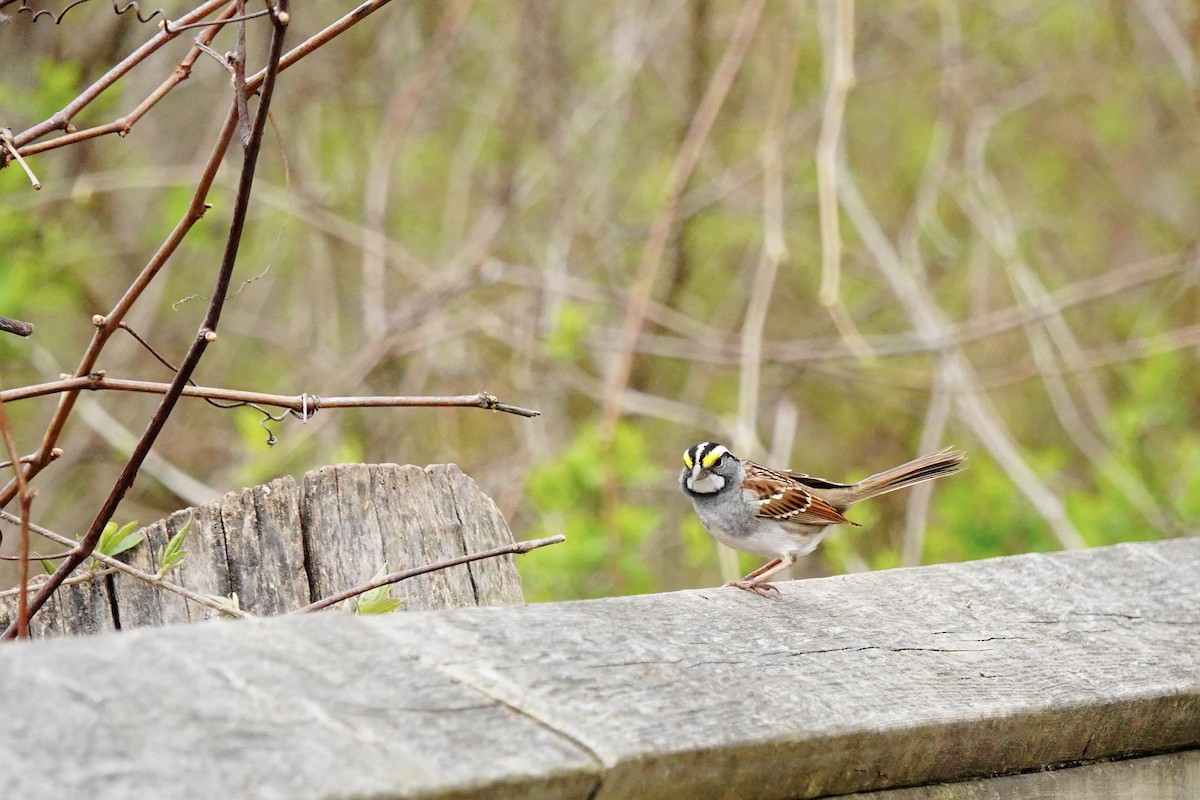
[{"x": 780, "y": 514}]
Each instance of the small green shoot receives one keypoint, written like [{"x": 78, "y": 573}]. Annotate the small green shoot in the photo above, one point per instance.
[
  {"x": 114, "y": 541},
  {"x": 173, "y": 554},
  {"x": 228, "y": 604},
  {"x": 375, "y": 601}
]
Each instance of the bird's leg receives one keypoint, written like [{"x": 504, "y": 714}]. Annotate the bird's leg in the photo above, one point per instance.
[
  {"x": 762, "y": 569},
  {"x": 756, "y": 581},
  {"x": 748, "y": 581}
]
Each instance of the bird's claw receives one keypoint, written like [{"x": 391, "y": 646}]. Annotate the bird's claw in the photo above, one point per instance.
[{"x": 761, "y": 589}]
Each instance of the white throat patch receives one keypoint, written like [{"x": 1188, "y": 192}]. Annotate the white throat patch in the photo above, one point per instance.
[{"x": 709, "y": 484}]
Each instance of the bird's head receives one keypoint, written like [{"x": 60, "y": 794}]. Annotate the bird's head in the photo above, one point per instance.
[{"x": 707, "y": 468}]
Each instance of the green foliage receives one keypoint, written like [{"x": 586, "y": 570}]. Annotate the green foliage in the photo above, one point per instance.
[
  {"x": 374, "y": 601},
  {"x": 603, "y": 551},
  {"x": 983, "y": 517},
  {"x": 173, "y": 554},
  {"x": 229, "y": 604},
  {"x": 57, "y": 83},
  {"x": 567, "y": 340},
  {"x": 116, "y": 540}
]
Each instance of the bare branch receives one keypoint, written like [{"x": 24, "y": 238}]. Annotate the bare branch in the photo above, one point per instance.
[
  {"x": 55, "y": 453},
  {"x": 61, "y": 120},
  {"x": 516, "y": 548},
  {"x": 122, "y": 126},
  {"x": 10, "y": 325},
  {"x": 6, "y": 139},
  {"x": 208, "y": 328},
  {"x": 299, "y": 404}
]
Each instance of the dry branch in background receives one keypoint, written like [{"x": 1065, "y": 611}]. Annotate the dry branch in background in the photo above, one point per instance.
[
  {"x": 621, "y": 368},
  {"x": 26, "y": 143}
]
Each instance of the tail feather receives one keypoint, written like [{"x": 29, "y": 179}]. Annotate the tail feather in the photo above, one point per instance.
[{"x": 919, "y": 470}]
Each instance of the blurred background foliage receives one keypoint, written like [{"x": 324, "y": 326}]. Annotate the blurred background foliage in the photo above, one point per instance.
[{"x": 1034, "y": 167}]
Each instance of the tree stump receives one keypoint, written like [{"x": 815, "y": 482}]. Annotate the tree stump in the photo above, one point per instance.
[{"x": 282, "y": 545}]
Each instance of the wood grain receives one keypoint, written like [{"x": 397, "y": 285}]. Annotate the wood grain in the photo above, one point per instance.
[
  {"x": 857, "y": 683},
  {"x": 282, "y": 545}
]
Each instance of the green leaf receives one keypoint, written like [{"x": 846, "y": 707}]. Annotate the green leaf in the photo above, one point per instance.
[
  {"x": 48, "y": 566},
  {"x": 230, "y": 603},
  {"x": 173, "y": 554},
  {"x": 114, "y": 540},
  {"x": 376, "y": 601},
  {"x": 378, "y": 605}
]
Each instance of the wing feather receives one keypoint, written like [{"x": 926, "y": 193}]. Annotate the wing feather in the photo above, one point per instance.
[{"x": 780, "y": 497}]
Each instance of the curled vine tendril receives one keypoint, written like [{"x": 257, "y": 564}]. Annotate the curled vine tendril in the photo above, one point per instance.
[{"x": 118, "y": 9}]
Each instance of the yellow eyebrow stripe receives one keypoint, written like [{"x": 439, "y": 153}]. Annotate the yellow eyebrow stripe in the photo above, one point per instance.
[
  {"x": 711, "y": 458},
  {"x": 687, "y": 460}
]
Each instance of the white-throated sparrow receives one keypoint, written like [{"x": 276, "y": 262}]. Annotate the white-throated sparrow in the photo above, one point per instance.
[{"x": 780, "y": 514}]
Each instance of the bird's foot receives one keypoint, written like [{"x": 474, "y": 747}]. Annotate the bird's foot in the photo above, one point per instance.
[{"x": 762, "y": 589}]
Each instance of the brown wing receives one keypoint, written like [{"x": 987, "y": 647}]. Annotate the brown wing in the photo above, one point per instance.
[{"x": 781, "y": 498}]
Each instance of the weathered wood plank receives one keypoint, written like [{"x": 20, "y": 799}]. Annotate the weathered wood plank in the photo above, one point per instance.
[
  {"x": 266, "y": 557},
  {"x": 282, "y": 545},
  {"x": 321, "y": 707},
  {"x": 345, "y": 545},
  {"x": 854, "y": 682},
  {"x": 1170, "y": 777},
  {"x": 849, "y": 684},
  {"x": 478, "y": 519}
]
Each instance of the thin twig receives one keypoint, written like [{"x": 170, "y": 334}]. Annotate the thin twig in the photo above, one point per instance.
[
  {"x": 73, "y": 580},
  {"x": 39, "y": 557},
  {"x": 239, "y": 18},
  {"x": 6, "y": 140},
  {"x": 10, "y": 325},
  {"x": 516, "y": 548},
  {"x": 141, "y": 575},
  {"x": 298, "y": 404},
  {"x": 26, "y": 496}
]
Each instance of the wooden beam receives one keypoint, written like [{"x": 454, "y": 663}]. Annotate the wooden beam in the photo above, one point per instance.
[{"x": 847, "y": 684}]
